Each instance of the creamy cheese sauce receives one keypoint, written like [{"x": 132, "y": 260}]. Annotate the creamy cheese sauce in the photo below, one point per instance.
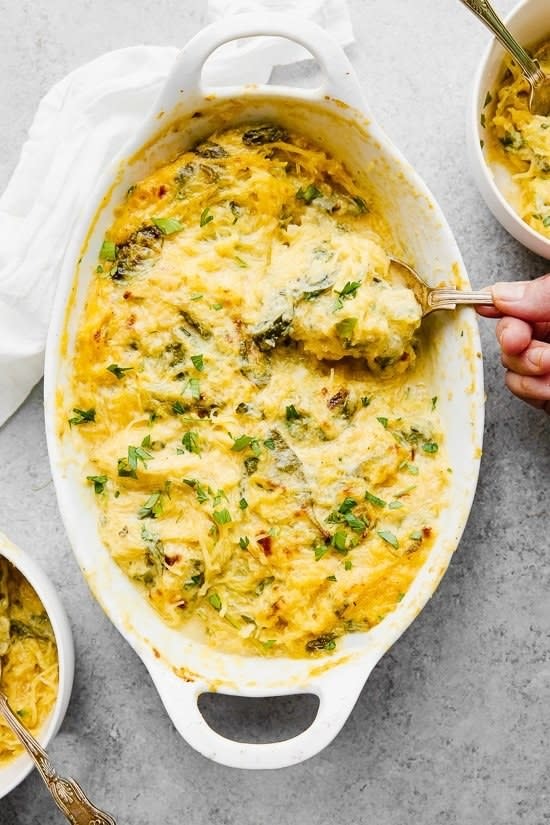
[
  {"x": 521, "y": 142},
  {"x": 253, "y": 401},
  {"x": 28, "y": 655}
]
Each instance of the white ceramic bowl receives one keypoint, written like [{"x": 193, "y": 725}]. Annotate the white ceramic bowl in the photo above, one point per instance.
[
  {"x": 529, "y": 22},
  {"x": 17, "y": 769},
  {"x": 335, "y": 115}
]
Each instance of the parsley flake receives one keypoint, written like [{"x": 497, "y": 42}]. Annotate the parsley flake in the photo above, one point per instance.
[
  {"x": 198, "y": 362},
  {"x": 190, "y": 441},
  {"x": 152, "y": 507},
  {"x": 118, "y": 371},
  {"x": 389, "y": 537},
  {"x": 99, "y": 483},
  {"x": 82, "y": 416},
  {"x": 168, "y": 226},
  {"x": 108, "y": 251},
  {"x": 206, "y": 216}
]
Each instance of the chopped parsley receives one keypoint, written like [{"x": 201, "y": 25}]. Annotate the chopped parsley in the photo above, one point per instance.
[
  {"x": 430, "y": 447},
  {"x": 168, "y": 226},
  {"x": 178, "y": 408},
  {"x": 195, "y": 388},
  {"x": 118, "y": 371},
  {"x": 389, "y": 537},
  {"x": 190, "y": 441},
  {"x": 320, "y": 551},
  {"x": 346, "y": 328},
  {"x": 269, "y": 444},
  {"x": 198, "y": 362},
  {"x": 292, "y": 414},
  {"x": 82, "y": 416},
  {"x": 434, "y": 402},
  {"x": 200, "y": 491},
  {"x": 99, "y": 483},
  {"x": 108, "y": 251},
  {"x": 378, "y": 502},
  {"x": 382, "y": 420},
  {"x": 215, "y": 601},
  {"x": 344, "y": 514},
  {"x": 244, "y": 541},
  {"x": 243, "y": 503},
  {"x": 206, "y": 216},
  {"x": 339, "y": 541},
  {"x": 308, "y": 194},
  {"x": 347, "y": 293},
  {"x": 136, "y": 454},
  {"x": 222, "y": 516},
  {"x": 365, "y": 401},
  {"x": 152, "y": 507},
  {"x": 195, "y": 581},
  {"x": 242, "y": 442}
]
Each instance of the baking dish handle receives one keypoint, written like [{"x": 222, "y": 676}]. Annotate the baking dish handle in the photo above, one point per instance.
[
  {"x": 337, "y": 691},
  {"x": 339, "y": 78}
]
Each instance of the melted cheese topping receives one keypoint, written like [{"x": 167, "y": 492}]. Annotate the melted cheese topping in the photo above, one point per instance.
[
  {"x": 240, "y": 476},
  {"x": 521, "y": 142},
  {"x": 29, "y": 658}
]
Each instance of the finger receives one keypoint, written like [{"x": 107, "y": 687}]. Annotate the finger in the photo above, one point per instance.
[
  {"x": 488, "y": 311},
  {"x": 535, "y": 360},
  {"x": 529, "y": 300},
  {"x": 529, "y": 388},
  {"x": 513, "y": 335}
]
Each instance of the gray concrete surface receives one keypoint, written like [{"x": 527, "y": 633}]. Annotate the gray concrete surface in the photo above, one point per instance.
[{"x": 453, "y": 726}]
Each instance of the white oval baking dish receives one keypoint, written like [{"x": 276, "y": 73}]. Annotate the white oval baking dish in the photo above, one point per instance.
[
  {"x": 15, "y": 771},
  {"x": 529, "y": 21},
  {"x": 335, "y": 115}
]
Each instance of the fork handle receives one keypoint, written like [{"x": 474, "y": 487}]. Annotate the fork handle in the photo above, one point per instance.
[
  {"x": 484, "y": 10},
  {"x": 67, "y": 793},
  {"x": 447, "y": 298}
]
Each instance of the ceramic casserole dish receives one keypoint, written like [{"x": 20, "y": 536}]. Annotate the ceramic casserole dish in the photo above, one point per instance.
[{"x": 336, "y": 116}]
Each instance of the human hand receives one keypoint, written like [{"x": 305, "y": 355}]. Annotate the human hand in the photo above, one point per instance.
[{"x": 523, "y": 333}]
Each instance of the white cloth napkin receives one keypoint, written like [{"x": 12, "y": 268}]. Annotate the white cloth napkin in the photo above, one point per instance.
[{"x": 82, "y": 122}]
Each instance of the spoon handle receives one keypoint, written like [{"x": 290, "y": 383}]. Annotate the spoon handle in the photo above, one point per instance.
[
  {"x": 448, "y": 298},
  {"x": 67, "y": 794},
  {"x": 484, "y": 10}
]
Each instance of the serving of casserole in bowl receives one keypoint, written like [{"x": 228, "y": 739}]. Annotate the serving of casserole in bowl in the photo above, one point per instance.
[
  {"x": 264, "y": 462},
  {"x": 36, "y": 657},
  {"x": 509, "y": 147}
]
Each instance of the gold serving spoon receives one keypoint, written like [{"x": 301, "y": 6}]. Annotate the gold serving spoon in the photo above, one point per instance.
[
  {"x": 539, "y": 98},
  {"x": 432, "y": 298},
  {"x": 67, "y": 794}
]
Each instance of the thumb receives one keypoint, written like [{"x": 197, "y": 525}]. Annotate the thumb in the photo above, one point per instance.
[{"x": 528, "y": 300}]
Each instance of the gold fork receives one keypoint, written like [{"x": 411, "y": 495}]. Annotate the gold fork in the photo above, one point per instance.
[
  {"x": 432, "y": 298},
  {"x": 67, "y": 793},
  {"x": 539, "y": 98}
]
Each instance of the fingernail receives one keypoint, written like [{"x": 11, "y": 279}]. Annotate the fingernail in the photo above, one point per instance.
[
  {"x": 539, "y": 357},
  {"x": 508, "y": 292}
]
